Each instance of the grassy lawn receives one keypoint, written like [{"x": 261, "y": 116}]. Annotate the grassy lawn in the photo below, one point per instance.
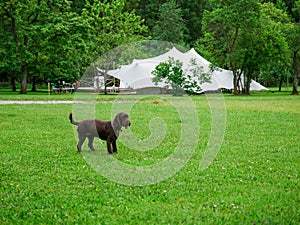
[
  {"x": 253, "y": 180},
  {"x": 41, "y": 94}
]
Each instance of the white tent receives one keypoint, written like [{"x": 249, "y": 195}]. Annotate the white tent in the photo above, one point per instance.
[
  {"x": 138, "y": 74},
  {"x": 174, "y": 53},
  {"x": 221, "y": 78}
]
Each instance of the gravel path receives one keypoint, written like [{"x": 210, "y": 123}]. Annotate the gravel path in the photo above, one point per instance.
[
  {"x": 34, "y": 102},
  {"x": 28, "y": 102}
]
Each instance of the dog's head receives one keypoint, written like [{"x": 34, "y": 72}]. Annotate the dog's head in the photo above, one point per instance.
[{"x": 121, "y": 120}]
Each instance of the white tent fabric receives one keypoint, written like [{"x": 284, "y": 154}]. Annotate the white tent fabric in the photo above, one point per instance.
[
  {"x": 138, "y": 74},
  {"x": 174, "y": 53},
  {"x": 221, "y": 78}
]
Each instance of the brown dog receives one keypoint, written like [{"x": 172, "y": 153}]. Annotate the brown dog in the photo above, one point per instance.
[{"x": 105, "y": 130}]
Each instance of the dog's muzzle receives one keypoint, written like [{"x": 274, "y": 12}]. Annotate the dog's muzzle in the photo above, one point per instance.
[{"x": 127, "y": 124}]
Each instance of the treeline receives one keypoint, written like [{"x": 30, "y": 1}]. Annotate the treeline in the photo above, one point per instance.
[{"x": 58, "y": 39}]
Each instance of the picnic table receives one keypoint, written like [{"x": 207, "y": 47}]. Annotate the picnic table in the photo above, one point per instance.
[{"x": 65, "y": 88}]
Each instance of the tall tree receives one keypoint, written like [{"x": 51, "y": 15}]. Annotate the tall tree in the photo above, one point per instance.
[
  {"x": 244, "y": 37},
  {"x": 286, "y": 5},
  {"x": 170, "y": 25},
  {"x": 224, "y": 28},
  {"x": 192, "y": 12},
  {"x": 293, "y": 37},
  {"x": 57, "y": 40},
  {"x": 41, "y": 35},
  {"x": 274, "y": 45},
  {"x": 292, "y": 34},
  {"x": 110, "y": 28},
  {"x": 192, "y": 15},
  {"x": 148, "y": 10}
]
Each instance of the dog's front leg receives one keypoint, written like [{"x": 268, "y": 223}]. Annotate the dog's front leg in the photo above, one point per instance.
[
  {"x": 108, "y": 143},
  {"x": 114, "y": 145}
]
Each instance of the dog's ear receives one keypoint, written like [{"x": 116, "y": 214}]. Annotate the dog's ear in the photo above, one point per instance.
[{"x": 117, "y": 125}]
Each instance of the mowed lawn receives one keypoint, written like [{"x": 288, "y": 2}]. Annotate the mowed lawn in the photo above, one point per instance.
[{"x": 253, "y": 180}]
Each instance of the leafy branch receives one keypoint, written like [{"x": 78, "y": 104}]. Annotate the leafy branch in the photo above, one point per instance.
[{"x": 180, "y": 79}]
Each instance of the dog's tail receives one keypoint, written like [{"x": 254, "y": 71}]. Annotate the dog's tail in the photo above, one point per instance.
[{"x": 73, "y": 121}]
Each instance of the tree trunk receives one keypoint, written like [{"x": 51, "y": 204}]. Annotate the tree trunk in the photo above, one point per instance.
[
  {"x": 247, "y": 87},
  {"x": 24, "y": 80},
  {"x": 235, "y": 79},
  {"x": 235, "y": 84},
  {"x": 232, "y": 66},
  {"x": 239, "y": 85},
  {"x": 280, "y": 84},
  {"x": 105, "y": 83},
  {"x": 33, "y": 88},
  {"x": 16, "y": 40},
  {"x": 296, "y": 74},
  {"x": 247, "y": 82},
  {"x": 13, "y": 83}
]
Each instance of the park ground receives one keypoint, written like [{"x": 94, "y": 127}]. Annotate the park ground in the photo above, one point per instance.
[{"x": 254, "y": 178}]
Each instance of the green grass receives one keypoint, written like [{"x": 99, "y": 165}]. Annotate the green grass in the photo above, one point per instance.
[
  {"x": 41, "y": 94},
  {"x": 253, "y": 180}
]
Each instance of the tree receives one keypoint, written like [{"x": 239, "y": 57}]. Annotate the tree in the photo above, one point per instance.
[
  {"x": 39, "y": 38},
  {"x": 293, "y": 37},
  {"x": 245, "y": 37},
  {"x": 110, "y": 27},
  {"x": 287, "y": 6},
  {"x": 170, "y": 25},
  {"x": 148, "y": 10},
  {"x": 276, "y": 53},
  {"x": 192, "y": 11},
  {"x": 291, "y": 32},
  {"x": 223, "y": 29},
  {"x": 173, "y": 75},
  {"x": 56, "y": 40}
]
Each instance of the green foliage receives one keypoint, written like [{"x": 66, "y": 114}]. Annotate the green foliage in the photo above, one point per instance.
[
  {"x": 292, "y": 34},
  {"x": 174, "y": 76},
  {"x": 191, "y": 13},
  {"x": 170, "y": 25},
  {"x": 288, "y": 6},
  {"x": 57, "y": 40},
  {"x": 54, "y": 41},
  {"x": 44, "y": 38},
  {"x": 274, "y": 46},
  {"x": 227, "y": 31},
  {"x": 222, "y": 28},
  {"x": 111, "y": 26},
  {"x": 246, "y": 37},
  {"x": 171, "y": 72}
]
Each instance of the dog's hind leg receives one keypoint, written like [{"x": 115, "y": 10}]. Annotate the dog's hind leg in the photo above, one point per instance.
[
  {"x": 91, "y": 140},
  {"x": 80, "y": 142}
]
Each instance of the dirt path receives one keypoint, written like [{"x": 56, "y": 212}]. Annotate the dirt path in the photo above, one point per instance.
[{"x": 34, "y": 102}]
